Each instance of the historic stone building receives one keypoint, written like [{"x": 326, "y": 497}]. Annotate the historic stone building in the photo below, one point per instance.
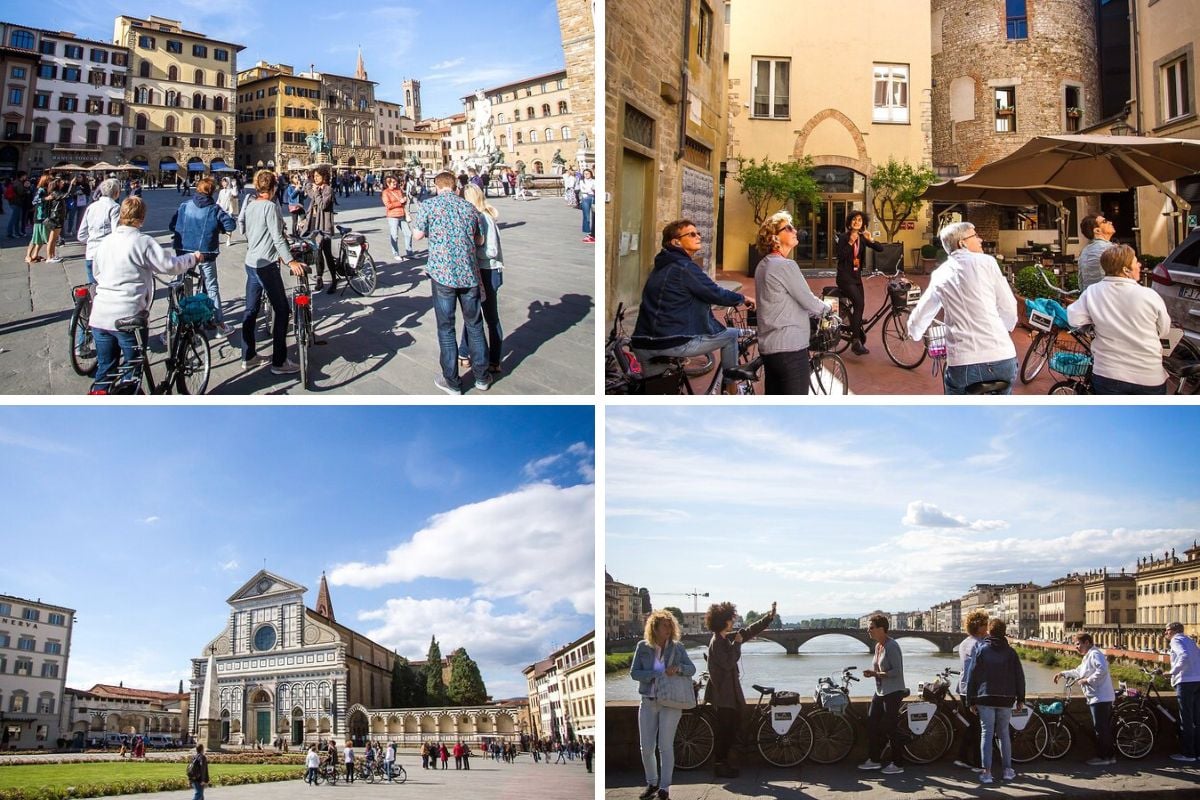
[
  {"x": 999, "y": 80},
  {"x": 545, "y": 701},
  {"x": 947, "y": 616},
  {"x": 284, "y": 670},
  {"x": 348, "y": 120},
  {"x": 75, "y": 90},
  {"x": 576, "y": 667},
  {"x": 18, "y": 63},
  {"x": 1109, "y": 606},
  {"x": 1060, "y": 608},
  {"x": 531, "y": 120},
  {"x": 848, "y": 102},
  {"x": 577, "y": 21},
  {"x": 391, "y": 121},
  {"x": 423, "y": 148},
  {"x": 87, "y": 715},
  {"x": 665, "y": 109},
  {"x": 179, "y": 97},
  {"x": 277, "y": 109},
  {"x": 623, "y": 614},
  {"x": 1168, "y": 590},
  {"x": 1019, "y": 610},
  {"x": 35, "y": 646},
  {"x": 412, "y": 99}
]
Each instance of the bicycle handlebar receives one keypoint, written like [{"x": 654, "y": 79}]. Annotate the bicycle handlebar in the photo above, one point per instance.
[{"x": 1062, "y": 292}]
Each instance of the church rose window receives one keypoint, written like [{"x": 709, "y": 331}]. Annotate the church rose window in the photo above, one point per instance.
[{"x": 264, "y": 638}]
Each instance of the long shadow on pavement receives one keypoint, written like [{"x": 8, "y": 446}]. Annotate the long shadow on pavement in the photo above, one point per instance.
[{"x": 545, "y": 321}]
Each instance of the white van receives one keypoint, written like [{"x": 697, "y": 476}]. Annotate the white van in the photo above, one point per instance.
[{"x": 159, "y": 741}]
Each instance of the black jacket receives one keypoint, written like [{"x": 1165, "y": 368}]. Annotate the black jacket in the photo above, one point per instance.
[
  {"x": 994, "y": 675},
  {"x": 676, "y": 303},
  {"x": 845, "y": 257}
]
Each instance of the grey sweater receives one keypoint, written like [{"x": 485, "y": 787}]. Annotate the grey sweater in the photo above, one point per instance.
[
  {"x": 264, "y": 233},
  {"x": 785, "y": 304},
  {"x": 892, "y": 662}
]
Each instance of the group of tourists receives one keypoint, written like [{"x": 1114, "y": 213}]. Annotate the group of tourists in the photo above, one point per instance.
[
  {"x": 50, "y": 210},
  {"x": 991, "y": 687},
  {"x": 968, "y": 293}
]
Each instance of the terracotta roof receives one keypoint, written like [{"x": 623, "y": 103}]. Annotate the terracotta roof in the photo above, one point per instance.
[{"x": 108, "y": 690}]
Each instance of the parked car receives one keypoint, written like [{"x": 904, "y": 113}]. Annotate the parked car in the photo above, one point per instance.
[
  {"x": 160, "y": 741},
  {"x": 1177, "y": 281}
]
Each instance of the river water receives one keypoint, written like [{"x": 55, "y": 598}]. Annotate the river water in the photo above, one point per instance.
[{"x": 766, "y": 664}]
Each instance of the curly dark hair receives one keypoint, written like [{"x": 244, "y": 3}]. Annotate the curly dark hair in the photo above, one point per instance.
[
  {"x": 866, "y": 221},
  {"x": 718, "y": 615}
]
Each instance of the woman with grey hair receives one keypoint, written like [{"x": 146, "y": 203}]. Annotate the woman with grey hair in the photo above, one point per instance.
[
  {"x": 978, "y": 309},
  {"x": 100, "y": 219}
]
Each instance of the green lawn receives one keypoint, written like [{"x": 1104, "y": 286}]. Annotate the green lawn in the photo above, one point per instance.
[{"x": 36, "y": 776}]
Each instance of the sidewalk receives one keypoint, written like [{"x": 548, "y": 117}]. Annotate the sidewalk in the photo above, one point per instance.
[{"x": 1145, "y": 781}]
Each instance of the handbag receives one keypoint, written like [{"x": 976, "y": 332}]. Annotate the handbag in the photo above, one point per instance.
[{"x": 674, "y": 691}]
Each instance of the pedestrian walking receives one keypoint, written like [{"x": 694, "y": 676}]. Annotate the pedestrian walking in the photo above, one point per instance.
[
  {"x": 294, "y": 197},
  {"x": 458, "y": 748},
  {"x": 995, "y": 686},
  {"x": 227, "y": 201},
  {"x": 454, "y": 230},
  {"x": 1092, "y": 674},
  {"x": 197, "y": 226},
  {"x": 197, "y": 771},
  {"x": 586, "y": 189},
  {"x": 659, "y": 653},
  {"x": 16, "y": 193},
  {"x": 395, "y": 204},
  {"x": 1185, "y": 678},
  {"x": 348, "y": 756},
  {"x": 312, "y": 762},
  {"x": 445, "y": 755},
  {"x": 389, "y": 760},
  {"x": 883, "y": 717},
  {"x": 489, "y": 257},
  {"x": 424, "y": 755},
  {"x": 466, "y": 756}
]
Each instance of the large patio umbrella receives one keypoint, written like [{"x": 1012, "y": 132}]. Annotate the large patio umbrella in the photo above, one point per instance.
[
  {"x": 128, "y": 166},
  {"x": 102, "y": 166},
  {"x": 67, "y": 168},
  {"x": 1093, "y": 163},
  {"x": 960, "y": 190}
]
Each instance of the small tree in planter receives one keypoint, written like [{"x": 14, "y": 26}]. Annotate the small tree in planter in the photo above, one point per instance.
[
  {"x": 771, "y": 184},
  {"x": 897, "y": 188}
]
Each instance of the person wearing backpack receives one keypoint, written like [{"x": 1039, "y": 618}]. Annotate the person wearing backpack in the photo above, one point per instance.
[
  {"x": 41, "y": 232},
  {"x": 54, "y": 207},
  {"x": 197, "y": 226},
  {"x": 197, "y": 772}
]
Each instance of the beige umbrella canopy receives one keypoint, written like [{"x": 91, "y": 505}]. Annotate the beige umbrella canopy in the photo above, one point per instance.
[
  {"x": 67, "y": 168},
  {"x": 128, "y": 165},
  {"x": 959, "y": 190},
  {"x": 102, "y": 165}
]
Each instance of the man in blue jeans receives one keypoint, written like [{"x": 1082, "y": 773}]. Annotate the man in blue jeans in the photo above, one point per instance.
[
  {"x": 1185, "y": 677},
  {"x": 453, "y": 229},
  {"x": 197, "y": 773},
  {"x": 675, "y": 317}
]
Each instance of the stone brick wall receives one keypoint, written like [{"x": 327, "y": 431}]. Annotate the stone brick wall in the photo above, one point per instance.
[{"x": 577, "y": 23}]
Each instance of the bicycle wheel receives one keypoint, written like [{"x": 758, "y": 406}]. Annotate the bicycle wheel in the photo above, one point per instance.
[
  {"x": 1184, "y": 351},
  {"x": 363, "y": 278},
  {"x": 694, "y": 741},
  {"x": 1066, "y": 387},
  {"x": 302, "y": 323},
  {"x": 1131, "y": 709},
  {"x": 367, "y": 775},
  {"x": 827, "y": 375},
  {"x": 82, "y": 347},
  {"x": 903, "y": 351},
  {"x": 1025, "y": 741},
  {"x": 319, "y": 778},
  {"x": 192, "y": 365},
  {"x": 399, "y": 775},
  {"x": 933, "y": 743},
  {"x": 789, "y": 749},
  {"x": 1134, "y": 739},
  {"x": 833, "y": 737},
  {"x": 1036, "y": 356},
  {"x": 1054, "y": 739}
]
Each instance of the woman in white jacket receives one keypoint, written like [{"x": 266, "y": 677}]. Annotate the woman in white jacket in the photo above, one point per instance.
[{"x": 124, "y": 268}]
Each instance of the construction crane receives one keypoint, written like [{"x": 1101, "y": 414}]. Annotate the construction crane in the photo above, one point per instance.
[{"x": 695, "y": 594}]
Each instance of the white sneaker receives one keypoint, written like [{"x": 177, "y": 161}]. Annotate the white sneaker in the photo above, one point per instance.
[
  {"x": 869, "y": 764},
  {"x": 54, "y": 260},
  {"x": 225, "y": 329},
  {"x": 397, "y": 257},
  {"x": 1010, "y": 774},
  {"x": 1181, "y": 757},
  {"x": 286, "y": 368},
  {"x": 254, "y": 361},
  {"x": 958, "y": 762},
  {"x": 892, "y": 769},
  {"x": 985, "y": 777}
]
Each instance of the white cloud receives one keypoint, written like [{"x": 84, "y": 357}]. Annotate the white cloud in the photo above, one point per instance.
[
  {"x": 150, "y": 520},
  {"x": 580, "y": 454},
  {"x": 926, "y": 515},
  {"x": 536, "y": 544},
  {"x": 450, "y": 64},
  {"x": 229, "y": 566}
]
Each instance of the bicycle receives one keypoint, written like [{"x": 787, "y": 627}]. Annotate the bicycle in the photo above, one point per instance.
[
  {"x": 1048, "y": 317},
  {"x": 82, "y": 347},
  {"x": 303, "y": 326},
  {"x": 354, "y": 262},
  {"x": 379, "y": 773},
  {"x": 1183, "y": 368},
  {"x": 897, "y": 304},
  {"x": 782, "y": 734},
  {"x": 1132, "y": 736},
  {"x": 826, "y": 369},
  {"x": 327, "y": 772},
  {"x": 935, "y": 347},
  {"x": 1143, "y": 706},
  {"x": 188, "y": 358}
]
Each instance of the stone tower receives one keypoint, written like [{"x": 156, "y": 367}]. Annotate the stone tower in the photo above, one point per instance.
[
  {"x": 577, "y": 21},
  {"x": 998, "y": 81},
  {"x": 324, "y": 604},
  {"x": 412, "y": 99}
]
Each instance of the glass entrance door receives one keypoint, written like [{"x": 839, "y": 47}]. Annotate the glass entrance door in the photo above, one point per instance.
[{"x": 817, "y": 228}]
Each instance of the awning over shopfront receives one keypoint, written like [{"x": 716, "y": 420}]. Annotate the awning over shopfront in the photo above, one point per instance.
[
  {"x": 196, "y": 166},
  {"x": 218, "y": 165},
  {"x": 168, "y": 166}
]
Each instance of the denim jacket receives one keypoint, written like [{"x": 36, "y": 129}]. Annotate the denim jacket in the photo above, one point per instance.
[
  {"x": 677, "y": 303},
  {"x": 642, "y": 668},
  {"x": 197, "y": 225}
]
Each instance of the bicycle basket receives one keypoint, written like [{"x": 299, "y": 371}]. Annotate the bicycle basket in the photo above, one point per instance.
[
  {"x": 1069, "y": 359},
  {"x": 1045, "y": 313},
  {"x": 824, "y": 333},
  {"x": 354, "y": 239},
  {"x": 197, "y": 309},
  {"x": 785, "y": 698},
  {"x": 935, "y": 340},
  {"x": 831, "y": 699},
  {"x": 1054, "y": 709},
  {"x": 902, "y": 293},
  {"x": 934, "y": 691}
]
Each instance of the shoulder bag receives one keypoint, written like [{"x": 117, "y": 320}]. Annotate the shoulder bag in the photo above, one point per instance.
[{"x": 674, "y": 691}]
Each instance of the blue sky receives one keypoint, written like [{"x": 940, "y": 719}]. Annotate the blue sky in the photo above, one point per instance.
[
  {"x": 844, "y": 510},
  {"x": 475, "y": 525},
  {"x": 452, "y": 47}
]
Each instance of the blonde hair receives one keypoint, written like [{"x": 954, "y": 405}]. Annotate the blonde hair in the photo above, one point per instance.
[
  {"x": 1116, "y": 259},
  {"x": 133, "y": 212},
  {"x": 654, "y": 618},
  {"x": 474, "y": 195},
  {"x": 768, "y": 233},
  {"x": 976, "y": 621}
]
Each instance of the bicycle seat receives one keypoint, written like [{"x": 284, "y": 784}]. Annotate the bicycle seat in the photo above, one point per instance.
[
  {"x": 987, "y": 387},
  {"x": 831, "y": 291},
  {"x": 129, "y": 324},
  {"x": 763, "y": 689},
  {"x": 749, "y": 372},
  {"x": 342, "y": 229}
]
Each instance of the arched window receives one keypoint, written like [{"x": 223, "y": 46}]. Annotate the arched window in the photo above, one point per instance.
[
  {"x": 170, "y": 124},
  {"x": 516, "y": 115},
  {"x": 562, "y": 106},
  {"x": 199, "y": 101},
  {"x": 219, "y": 128},
  {"x": 503, "y": 140},
  {"x": 172, "y": 98},
  {"x": 172, "y": 73},
  {"x": 141, "y": 95},
  {"x": 500, "y": 117},
  {"x": 566, "y": 133},
  {"x": 197, "y": 125},
  {"x": 529, "y": 113},
  {"x": 549, "y": 134},
  {"x": 532, "y": 136},
  {"x": 365, "y": 134},
  {"x": 218, "y": 103},
  {"x": 140, "y": 122},
  {"x": 198, "y": 78},
  {"x": 348, "y": 133},
  {"x": 545, "y": 109},
  {"x": 144, "y": 69},
  {"x": 21, "y": 39},
  {"x": 220, "y": 80},
  {"x": 519, "y": 139}
]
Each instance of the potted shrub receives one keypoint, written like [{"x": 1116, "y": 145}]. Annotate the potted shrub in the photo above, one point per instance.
[
  {"x": 771, "y": 185},
  {"x": 1074, "y": 112},
  {"x": 1028, "y": 285},
  {"x": 930, "y": 257}
]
